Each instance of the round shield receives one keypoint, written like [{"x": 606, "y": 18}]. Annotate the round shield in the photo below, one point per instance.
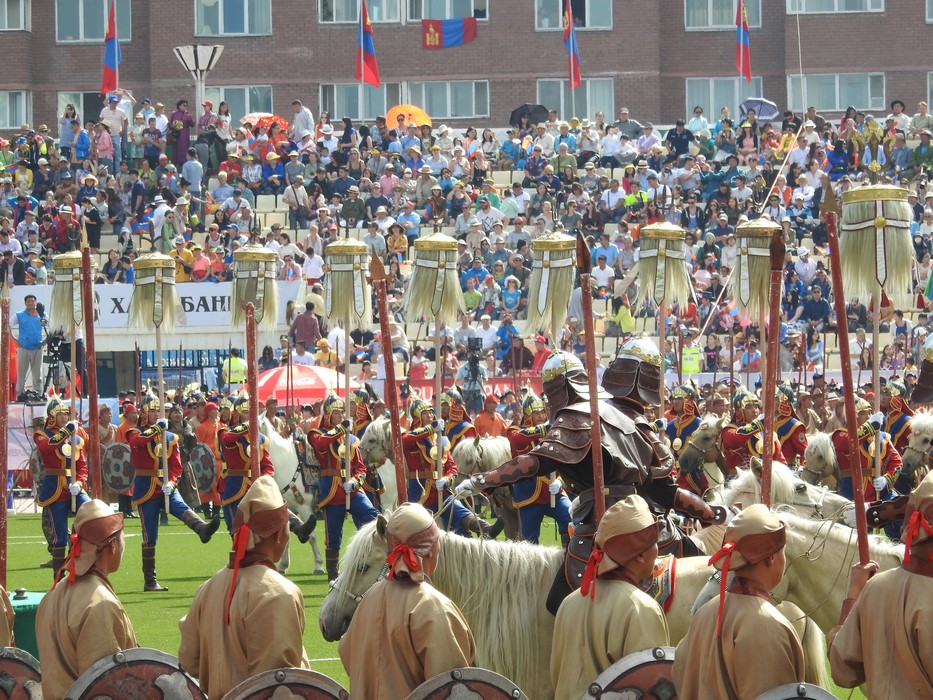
[
  {"x": 19, "y": 673},
  {"x": 204, "y": 465},
  {"x": 288, "y": 684},
  {"x": 117, "y": 467},
  {"x": 468, "y": 684},
  {"x": 644, "y": 674},
  {"x": 133, "y": 674},
  {"x": 36, "y": 468},
  {"x": 795, "y": 691}
]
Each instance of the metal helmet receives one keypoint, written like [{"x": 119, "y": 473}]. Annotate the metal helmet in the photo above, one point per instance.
[
  {"x": 55, "y": 406},
  {"x": 898, "y": 395},
  {"x": 226, "y": 402},
  {"x": 685, "y": 391},
  {"x": 241, "y": 403},
  {"x": 861, "y": 405},
  {"x": 360, "y": 395},
  {"x": 786, "y": 399},
  {"x": 417, "y": 407},
  {"x": 333, "y": 403},
  {"x": 744, "y": 397},
  {"x": 894, "y": 388},
  {"x": 531, "y": 404},
  {"x": 565, "y": 380},
  {"x": 635, "y": 373},
  {"x": 456, "y": 406},
  {"x": 150, "y": 402},
  {"x": 452, "y": 396}
]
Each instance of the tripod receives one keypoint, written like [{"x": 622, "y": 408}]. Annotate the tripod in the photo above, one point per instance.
[{"x": 58, "y": 373}]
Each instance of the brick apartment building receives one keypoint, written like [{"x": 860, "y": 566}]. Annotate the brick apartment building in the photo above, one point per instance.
[{"x": 657, "y": 57}]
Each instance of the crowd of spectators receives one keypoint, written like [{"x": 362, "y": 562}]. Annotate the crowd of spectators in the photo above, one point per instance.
[{"x": 144, "y": 174}]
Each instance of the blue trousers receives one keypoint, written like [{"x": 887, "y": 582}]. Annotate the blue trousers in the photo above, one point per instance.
[
  {"x": 452, "y": 516},
  {"x": 530, "y": 517},
  {"x": 58, "y": 516},
  {"x": 150, "y": 510},
  {"x": 361, "y": 510}
]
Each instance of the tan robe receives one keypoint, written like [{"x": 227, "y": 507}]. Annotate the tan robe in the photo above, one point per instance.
[
  {"x": 887, "y": 640},
  {"x": 401, "y": 635},
  {"x": 759, "y": 651},
  {"x": 591, "y": 635},
  {"x": 77, "y": 626},
  {"x": 6, "y": 620},
  {"x": 267, "y": 621}
]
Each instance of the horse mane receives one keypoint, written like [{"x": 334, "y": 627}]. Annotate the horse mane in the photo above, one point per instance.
[
  {"x": 378, "y": 436},
  {"x": 921, "y": 424},
  {"x": 820, "y": 447},
  {"x": 481, "y": 454},
  {"x": 782, "y": 483},
  {"x": 881, "y": 549}
]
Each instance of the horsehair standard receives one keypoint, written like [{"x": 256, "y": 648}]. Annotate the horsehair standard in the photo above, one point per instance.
[
  {"x": 346, "y": 290},
  {"x": 662, "y": 264},
  {"x": 752, "y": 276},
  {"x": 552, "y": 283},
  {"x": 434, "y": 287},
  {"x": 66, "y": 309},
  {"x": 154, "y": 302},
  {"x": 875, "y": 247},
  {"x": 254, "y": 273}
]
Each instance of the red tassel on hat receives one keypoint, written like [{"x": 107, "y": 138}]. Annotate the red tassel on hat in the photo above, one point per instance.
[
  {"x": 913, "y": 529},
  {"x": 240, "y": 540},
  {"x": 588, "y": 586},
  {"x": 405, "y": 553},
  {"x": 726, "y": 554}
]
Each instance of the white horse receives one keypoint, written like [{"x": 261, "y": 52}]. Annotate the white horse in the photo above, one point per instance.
[
  {"x": 919, "y": 441},
  {"x": 288, "y": 477},
  {"x": 820, "y": 463},
  {"x": 501, "y": 588},
  {"x": 376, "y": 449}
]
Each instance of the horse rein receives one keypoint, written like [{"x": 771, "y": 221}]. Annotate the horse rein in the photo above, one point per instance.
[{"x": 358, "y": 597}]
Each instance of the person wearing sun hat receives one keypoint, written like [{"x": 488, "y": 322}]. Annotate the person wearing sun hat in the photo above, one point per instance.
[
  {"x": 884, "y": 637},
  {"x": 613, "y": 616},
  {"x": 81, "y": 620},
  {"x": 247, "y": 618},
  {"x": 738, "y": 644},
  {"x": 405, "y": 630}
]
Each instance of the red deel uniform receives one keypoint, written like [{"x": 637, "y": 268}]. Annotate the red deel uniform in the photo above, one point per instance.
[
  {"x": 793, "y": 438},
  {"x": 890, "y": 459},
  {"x": 742, "y": 442},
  {"x": 233, "y": 445},
  {"x": 417, "y": 444},
  {"x": 533, "y": 489},
  {"x": 50, "y": 443}
]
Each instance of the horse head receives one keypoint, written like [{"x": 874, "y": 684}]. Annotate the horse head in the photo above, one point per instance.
[
  {"x": 362, "y": 567},
  {"x": 376, "y": 443},
  {"x": 919, "y": 442},
  {"x": 703, "y": 445},
  {"x": 819, "y": 459}
]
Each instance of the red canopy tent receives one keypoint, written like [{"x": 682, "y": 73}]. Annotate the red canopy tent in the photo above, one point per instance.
[{"x": 309, "y": 384}]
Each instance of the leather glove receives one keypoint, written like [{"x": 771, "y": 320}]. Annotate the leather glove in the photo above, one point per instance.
[
  {"x": 74, "y": 488},
  {"x": 71, "y": 426},
  {"x": 880, "y": 484},
  {"x": 466, "y": 488},
  {"x": 442, "y": 483},
  {"x": 555, "y": 487},
  {"x": 660, "y": 425},
  {"x": 876, "y": 421},
  {"x": 162, "y": 424},
  {"x": 350, "y": 486},
  {"x": 167, "y": 488}
]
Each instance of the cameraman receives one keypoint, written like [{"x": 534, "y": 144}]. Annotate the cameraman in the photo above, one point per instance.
[
  {"x": 31, "y": 323},
  {"x": 471, "y": 376}
]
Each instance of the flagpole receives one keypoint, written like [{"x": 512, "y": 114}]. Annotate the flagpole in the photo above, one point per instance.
[{"x": 116, "y": 38}]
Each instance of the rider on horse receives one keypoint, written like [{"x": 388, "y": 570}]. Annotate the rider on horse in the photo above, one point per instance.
[
  {"x": 362, "y": 417},
  {"x": 456, "y": 419},
  {"x": 790, "y": 431},
  {"x": 897, "y": 423},
  {"x": 532, "y": 496},
  {"x": 742, "y": 438},
  {"x": 686, "y": 417}
]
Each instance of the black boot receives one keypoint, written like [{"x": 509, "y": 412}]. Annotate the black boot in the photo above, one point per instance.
[
  {"x": 474, "y": 523},
  {"x": 332, "y": 561},
  {"x": 302, "y": 530},
  {"x": 58, "y": 558},
  {"x": 125, "y": 503},
  {"x": 149, "y": 572},
  {"x": 205, "y": 530}
]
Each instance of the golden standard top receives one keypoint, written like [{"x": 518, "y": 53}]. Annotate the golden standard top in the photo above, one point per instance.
[
  {"x": 154, "y": 261},
  {"x": 875, "y": 193},
  {"x": 664, "y": 230},
  {"x": 554, "y": 241},
  {"x": 436, "y": 241},
  {"x": 254, "y": 253},
  {"x": 757, "y": 228}
]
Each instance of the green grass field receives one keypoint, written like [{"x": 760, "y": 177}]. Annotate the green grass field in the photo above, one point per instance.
[{"x": 183, "y": 564}]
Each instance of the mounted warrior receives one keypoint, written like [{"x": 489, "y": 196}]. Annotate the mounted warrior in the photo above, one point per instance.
[{"x": 791, "y": 432}]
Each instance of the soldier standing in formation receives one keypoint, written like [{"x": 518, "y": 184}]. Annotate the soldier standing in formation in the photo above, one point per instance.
[
  {"x": 742, "y": 439},
  {"x": 156, "y": 477},
  {"x": 247, "y": 618},
  {"x": 65, "y": 474},
  {"x": 81, "y": 620},
  {"x": 456, "y": 419},
  {"x": 362, "y": 417},
  {"x": 791, "y": 433}
]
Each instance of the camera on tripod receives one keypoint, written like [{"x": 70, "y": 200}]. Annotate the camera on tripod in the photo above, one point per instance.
[{"x": 474, "y": 354}]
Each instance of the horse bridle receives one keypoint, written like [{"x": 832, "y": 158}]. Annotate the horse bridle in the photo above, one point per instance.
[{"x": 358, "y": 597}]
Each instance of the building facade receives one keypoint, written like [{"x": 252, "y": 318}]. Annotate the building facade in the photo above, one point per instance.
[{"x": 659, "y": 58}]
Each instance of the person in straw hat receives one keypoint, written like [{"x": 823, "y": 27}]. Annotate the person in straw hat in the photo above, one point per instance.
[
  {"x": 81, "y": 620},
  {"x": 884, "y": 637},
  {"x": 612, "y": 617},
  {"x": 738, "y": 644},
  {"x": 405, "y": 631},
  {"x": 247, "y": 618}
]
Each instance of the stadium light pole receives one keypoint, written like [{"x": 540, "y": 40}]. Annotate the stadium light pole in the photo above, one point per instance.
[{"x": 199, "y": 61}]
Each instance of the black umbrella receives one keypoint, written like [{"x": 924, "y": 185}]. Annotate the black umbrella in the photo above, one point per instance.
[{"x": 535, "y": 114}]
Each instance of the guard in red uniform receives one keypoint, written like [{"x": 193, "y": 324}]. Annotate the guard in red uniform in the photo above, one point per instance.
[
  {"x": 339, "y": 483},
  {"x": 684, "y": 421},
  {"x": 153, "y": 457},
  {"x": 791, "y": 433},
  {"x": 897, "y": 423},
  {"x": 532, "y": 495},
  {"x": 373, "y": 486},
  {"x": 456, "y": 419},
  {"x": 742, "y": 438},
  {"x": 65, "y": 474}
]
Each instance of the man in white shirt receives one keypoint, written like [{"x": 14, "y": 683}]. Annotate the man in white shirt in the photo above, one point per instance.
[
  {"x": 488, "y": 214},
  {"x": 301, "y": 356},
  {"x": 327, "y": 139},
  {"x": 486, "y": 332},
  {"x": 544, "y": 139},
  {"x": 521, "y": 198},
  {"x": 302, "y": 122},
  {"x": 117, "y": 121},
  {"x": 603, "y": 274},
  {"x": 158, "y": 221},
  {"x": 742, "y": 192},
  {"x": 799, "y": 153}
]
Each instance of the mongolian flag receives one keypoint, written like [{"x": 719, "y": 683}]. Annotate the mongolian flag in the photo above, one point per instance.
[
  {"x": 447, "y": 33},
  {"x": 111, "y": 53},
  {"x": 743, "y": 56},
  {"x": 573, "y": 51},
  {"x": 367, "y": 70}
]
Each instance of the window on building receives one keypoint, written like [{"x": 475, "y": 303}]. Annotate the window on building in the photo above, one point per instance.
[
  {"x": 712, "y": 94},
  {"x": 348, "y": 11},
  {"x": 86, "y": 20},
  {"x": 717, "y": 15},
  {"x": 242, "y": 100},
  {"x": 807, "y": 7},
  {"x": 834, "y": 92},
  {"x": 930, "y": 11},
  {"x": 15, "y": 107},
  {"x": 594, "y": 95},
  {"x": 359, "y": 101},
  {"x": 930, "y": 88},
  {"x": 446, "y": 9},
  {"x": 232, "y": 17},
  {"x": 14, "y": 14},
  {"x": 453, "y": 99},
  {"x": 587, "y": 14},
  {"x": 87, "y": 105}
]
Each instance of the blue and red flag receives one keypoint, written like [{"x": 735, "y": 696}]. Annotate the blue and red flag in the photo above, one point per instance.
[
  {"x": 573, "y": 51},
  {"x": 743, "y": 56},
  {"x": 447, "y": 33},
  {"x": 112, "y": 55},
  {"x": 367, "y": 70}
]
